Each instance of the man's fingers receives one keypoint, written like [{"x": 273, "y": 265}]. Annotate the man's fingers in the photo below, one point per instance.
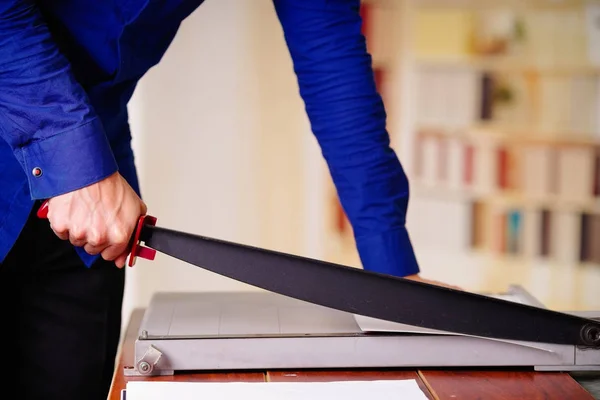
[
  {"x": 120, "y": 261},
  {"x": 93, "y": 250},
  {"x": 112, "y": 252},
  {"x": 59, "y": 229},
  {"x": 76, "y": 241},
  {"x": 62, "y": 235}
]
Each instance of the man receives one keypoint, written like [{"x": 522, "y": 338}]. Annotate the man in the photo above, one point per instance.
[{"x": 67, "y": 70}]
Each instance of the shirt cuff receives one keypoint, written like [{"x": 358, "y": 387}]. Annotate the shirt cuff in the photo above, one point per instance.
[
  {"x": 67, "y": 161},
  {"x": 390, "y": 253},
  {"x": 88, "y": 259}
]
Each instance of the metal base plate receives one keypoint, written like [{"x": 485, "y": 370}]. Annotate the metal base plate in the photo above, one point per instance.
[{"x": 260, "y": 330}]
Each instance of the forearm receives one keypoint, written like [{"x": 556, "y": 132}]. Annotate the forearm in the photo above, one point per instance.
[
  {"x": 348, "y": 118},
  {"x": 45, "y": 115}
]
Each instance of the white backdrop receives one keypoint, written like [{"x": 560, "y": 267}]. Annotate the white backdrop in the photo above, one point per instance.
[{"x": 221, "y": 138}]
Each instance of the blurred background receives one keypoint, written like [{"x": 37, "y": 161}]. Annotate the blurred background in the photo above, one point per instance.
[{"x": 492, "y": 108}]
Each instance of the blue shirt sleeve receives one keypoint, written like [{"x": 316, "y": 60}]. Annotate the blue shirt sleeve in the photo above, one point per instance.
[
  {"x": 45, "y": 115},
  {"x": 348, "y": 118}
]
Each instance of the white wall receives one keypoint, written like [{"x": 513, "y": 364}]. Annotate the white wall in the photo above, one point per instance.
[
  {"x": 224, "y": 149},
  {"x": 220, "y": 135}
]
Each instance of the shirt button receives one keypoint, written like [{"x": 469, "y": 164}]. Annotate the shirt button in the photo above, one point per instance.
[{"x": 37, "y": 171}]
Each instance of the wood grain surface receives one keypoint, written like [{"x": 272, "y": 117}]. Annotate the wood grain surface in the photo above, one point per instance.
[{"x": 497, "y": 385}]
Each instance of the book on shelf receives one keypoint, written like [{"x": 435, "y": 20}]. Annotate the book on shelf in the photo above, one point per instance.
[
  {"x": 507, "y": 131},
  {"x": 513, "y": 188}
]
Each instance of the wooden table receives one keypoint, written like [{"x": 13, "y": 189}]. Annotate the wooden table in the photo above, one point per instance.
[{"x": 456, "y": 384}]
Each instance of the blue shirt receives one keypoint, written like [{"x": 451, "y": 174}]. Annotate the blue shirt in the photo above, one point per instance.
[{"x": 69, "y": 67}]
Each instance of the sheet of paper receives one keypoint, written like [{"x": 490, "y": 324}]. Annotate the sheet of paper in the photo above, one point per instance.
[
  {"x": 369, "y": 324},
  {"x": 348, "y": 390}
]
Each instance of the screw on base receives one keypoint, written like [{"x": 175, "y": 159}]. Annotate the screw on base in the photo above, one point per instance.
[
  {"x": 590, "y": 334},
  {"x": 144, "y": 367}
]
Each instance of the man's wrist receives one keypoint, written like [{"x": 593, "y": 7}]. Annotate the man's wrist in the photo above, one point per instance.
[
  {"x": 67, "y": 161},
  {"x": 389, "y": 252}
]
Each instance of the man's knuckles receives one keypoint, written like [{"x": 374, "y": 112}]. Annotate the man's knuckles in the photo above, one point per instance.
[
  {"x": 119, "y": 234},
  {"x": 77, "y": 233},
  {"x": 97, "y": 237},
  {"x": 59, "y": 225}
]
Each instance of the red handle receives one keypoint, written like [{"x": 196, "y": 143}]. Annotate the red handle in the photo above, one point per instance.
[
  {"x": 43, "y": 210},
  {"x": 136, "y": 249}
]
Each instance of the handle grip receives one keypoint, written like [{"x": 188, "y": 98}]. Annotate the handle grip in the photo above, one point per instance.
[
  {"x": 42, "y": 212},
  {"x": 137, "y": 250}
]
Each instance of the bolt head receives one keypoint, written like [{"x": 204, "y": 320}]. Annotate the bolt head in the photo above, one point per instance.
[{"x": 144, "y": 367}]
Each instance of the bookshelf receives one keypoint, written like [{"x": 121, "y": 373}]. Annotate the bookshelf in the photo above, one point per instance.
[
  {"x": 494, "y": 110},
  {"x": 506, "y": 124}
]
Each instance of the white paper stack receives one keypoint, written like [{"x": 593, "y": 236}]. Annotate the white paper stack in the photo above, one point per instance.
[{"x": 406, "y": 389}]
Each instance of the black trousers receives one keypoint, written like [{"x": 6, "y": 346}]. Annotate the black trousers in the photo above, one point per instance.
[{"x": 61, "y": 320}]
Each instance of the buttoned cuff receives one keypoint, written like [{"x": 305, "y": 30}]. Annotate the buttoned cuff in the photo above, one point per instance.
[
  {"x": 389, "y": 253},
  {"x": 67, "y": 161}
]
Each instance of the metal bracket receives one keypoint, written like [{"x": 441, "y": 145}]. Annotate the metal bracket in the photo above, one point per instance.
[{"x": 146, "y": 364}]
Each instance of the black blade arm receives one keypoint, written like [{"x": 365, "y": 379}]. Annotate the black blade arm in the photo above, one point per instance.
[{"x": 374, "y": 295}]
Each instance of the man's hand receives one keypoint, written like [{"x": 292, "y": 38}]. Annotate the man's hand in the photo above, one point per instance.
[
  {"x": 418, "y": 278},
  {"x": 100, "y": 218}
]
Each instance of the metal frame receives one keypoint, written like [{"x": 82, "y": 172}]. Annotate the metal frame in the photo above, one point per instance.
[{"x": 323, "y": 338}]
